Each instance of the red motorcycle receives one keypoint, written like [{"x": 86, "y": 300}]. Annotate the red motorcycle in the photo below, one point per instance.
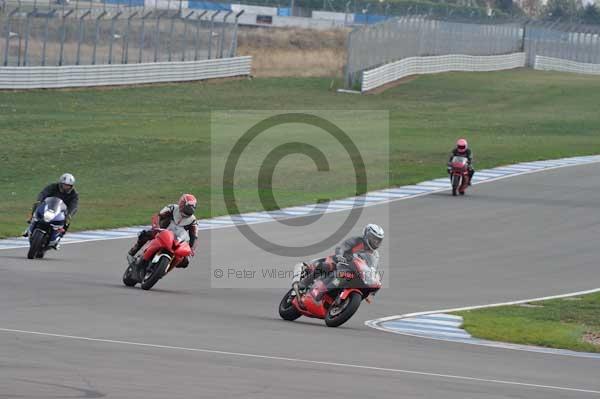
[
  {"x": 337, "y": 296},
  {"x": 166, "y": 250},
  {"x": 459, "y": 174}
]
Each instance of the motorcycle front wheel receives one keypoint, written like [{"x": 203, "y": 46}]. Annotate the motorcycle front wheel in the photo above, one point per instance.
[
  {"x": 339, "y": 314},
  {"x": 157, "y": 271},
  {"x": 36, "y": 244},
  {"x": 128, "y": 279},
  {"x": 455, "y": 184},
  {"x": 287, "y": 310}
]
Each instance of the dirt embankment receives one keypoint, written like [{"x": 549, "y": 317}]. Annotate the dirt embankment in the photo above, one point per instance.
[{"x": 294, "y": 52}]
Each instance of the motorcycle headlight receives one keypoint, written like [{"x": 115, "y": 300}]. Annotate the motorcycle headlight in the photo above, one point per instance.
[{"x": 49, "y": 215}]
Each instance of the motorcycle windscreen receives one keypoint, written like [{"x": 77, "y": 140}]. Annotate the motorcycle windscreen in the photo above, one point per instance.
[
  {"x": 459, "y": 162},
  {"x": 181, "y": 245},
  {"x": 55, "y": 204},
  {"x": 52, "y": 210}
]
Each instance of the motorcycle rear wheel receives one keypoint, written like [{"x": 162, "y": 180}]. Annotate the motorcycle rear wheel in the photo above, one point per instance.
[
  {"x": 36, "y": 244},
  {"x": 287, "y": 311},
  {"x": 339, "y": 314},
  {"x": 158, "y": 271}
]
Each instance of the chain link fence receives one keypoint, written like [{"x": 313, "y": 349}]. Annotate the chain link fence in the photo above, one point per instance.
[
  {"x": 573, "y": 42},
  {"x": 40, "y": 34},
  {"x": 415, "y": 36}
]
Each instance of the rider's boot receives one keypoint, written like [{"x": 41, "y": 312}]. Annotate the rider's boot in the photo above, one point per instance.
[{"x": 133, "y": 250}]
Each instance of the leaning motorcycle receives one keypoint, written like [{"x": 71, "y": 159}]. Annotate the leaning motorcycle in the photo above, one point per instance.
[
  {"x": 47, "y": 226},
  {"x": 336, "y": 297},
  {"x": 459, "y": 174},
  {"x": 167, "y": 250}
]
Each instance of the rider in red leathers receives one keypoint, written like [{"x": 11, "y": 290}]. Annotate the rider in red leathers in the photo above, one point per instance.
[
  {"x": 171, "y": 217},
  {"x": 462, "y": 150}
]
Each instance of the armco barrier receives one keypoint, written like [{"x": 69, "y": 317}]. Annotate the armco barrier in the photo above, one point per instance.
[
  {"x": 121, "y": 74},
  {"x": 557, "y": 64},
  {"x": 387, "y": 73}
]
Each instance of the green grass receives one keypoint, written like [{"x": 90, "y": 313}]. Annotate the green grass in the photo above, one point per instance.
[
  {"x": 134, "y": 149},
  {"x": 558, "y": 323}
]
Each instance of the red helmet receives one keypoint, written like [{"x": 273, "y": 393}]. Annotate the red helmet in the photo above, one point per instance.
[
  {"x": 187, "y": 205},
  {"x": 462, "y": 145}
]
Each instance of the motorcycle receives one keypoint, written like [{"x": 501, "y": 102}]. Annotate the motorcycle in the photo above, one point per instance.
[
  {"x": 335, "y": 297},
  {"x": 47, "y": 227},
  {"x": 459, "y": 174},
  {"x": 167, "y": 249}
]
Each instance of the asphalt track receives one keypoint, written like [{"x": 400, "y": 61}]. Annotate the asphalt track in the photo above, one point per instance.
[{"x": 528, "y": 236}]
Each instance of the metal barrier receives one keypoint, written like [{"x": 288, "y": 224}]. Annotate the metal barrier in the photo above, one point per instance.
[
  {"x": 121, "y": 74},
  {"x": 556, "y": 64},
  {"x": 382, "y": 75},
  {"x": 580, "y": 43},
  {"x": 402, "y": 38},
  {"x": 406, "y": 37}
]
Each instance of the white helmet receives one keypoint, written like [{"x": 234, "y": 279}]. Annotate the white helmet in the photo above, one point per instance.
[
  {"x": 68, "y": 180},
  {"x": 373, "y": 235}
]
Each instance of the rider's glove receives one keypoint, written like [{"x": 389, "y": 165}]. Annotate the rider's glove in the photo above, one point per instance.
[{"x": 340, "y": 259}]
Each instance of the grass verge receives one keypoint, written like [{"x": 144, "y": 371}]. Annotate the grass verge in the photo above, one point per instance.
[
  {"x": 566, "y": 323},
  {"x": 134, "y": 149}
]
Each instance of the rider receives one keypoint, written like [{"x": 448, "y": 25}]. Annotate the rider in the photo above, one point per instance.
[
  {"x": 170, "y": 217},
  {"x": 369, "y": 242},
  {"x": 462, "y": 150},
  {"x": 63, "y": 189}
]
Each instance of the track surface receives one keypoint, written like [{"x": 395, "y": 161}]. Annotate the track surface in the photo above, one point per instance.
[{"x": 528, "y": 236}]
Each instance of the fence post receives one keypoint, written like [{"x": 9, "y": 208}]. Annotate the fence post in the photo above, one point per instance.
[
  {"x": 125, "y": 51},
  {"x": 142, "y": 36},
  {"x": 48, "y": 16},
  {"x": 7, "y": 43},
  {"x": 170, "y": 45},
  {"x": 112, "y": 35},
  {"x": 185, "y": 29},
  {"x": 27, "y": 30},
  {"x": 233, "y": 49},
  {"x": 80, "y": 39},
  {"x": 222, "y": 38},
  {"x": 596, "y": 48},
  {"x": 348, "y": 69},
  {"x": 157, "y": 34},
  {"x": 212, "y": 24},
  {"x": 197, "y": 36},
  {"x": 98, "y": 18},
  {"x": 63, "y": 34}
]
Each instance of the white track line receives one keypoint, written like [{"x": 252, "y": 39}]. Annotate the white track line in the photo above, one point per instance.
[{"x": 296, "y": 360}]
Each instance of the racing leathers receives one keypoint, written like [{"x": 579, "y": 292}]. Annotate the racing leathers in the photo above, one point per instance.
[
  {"x": 71, "y": 200},
  {"x": 343, "y": 254},
  {"x": 168, "y": 218},
  {"x": 467, "y": 154}
]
